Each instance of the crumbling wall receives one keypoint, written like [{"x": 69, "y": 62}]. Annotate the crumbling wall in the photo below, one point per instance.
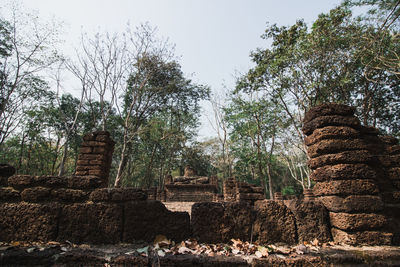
[
  {"x": 79, "y": 209},
  {"x": 241, "y": 191},
  {"x": 350, "y": 165}
]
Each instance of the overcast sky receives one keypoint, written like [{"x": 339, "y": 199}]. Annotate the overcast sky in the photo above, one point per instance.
[{"x": 213, "y": 37}]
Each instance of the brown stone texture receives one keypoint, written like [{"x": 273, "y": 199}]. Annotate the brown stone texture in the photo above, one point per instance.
[
  {"x": 335, "y": 145},
  {"x": 144, "y": 220},
  {"x": 343, "y": 172},
  {"x": 84, "y": 182},
  {"x": 220, "y": 222},
  {"x": 33, "y": 222},
  {"x": 90, "y": 223},
  {"x": 346, "y": 187},
  {"x": 328, "y": 109},
  {"x": 274, "y": 222},
  {"x": 237, "y": 221},
  {"x": 362, "y": 156},
  {"x": 190, "y": 192},
  {"x": 355, "y": 171},
  {"x": 6, "y": 170},
  {"x": 36, "y": 194},
  {"x": 69, "y": 195},
  {"x": 357, "y": 221},
  {"x": 21, "y": 181},
  {"x": 360, "y": 203},
  {"x": 331, "y": 120},
  {"x": 9, "y": 194},
  {"x": 206, "y": 221},
  {"x": 312, "y": 221},
  {"x": 117, "y": 194},
  {"x": 95, "y": 156},
  {"x": 331, "y": 132},
  {"x": 242, "y": 191},
  {"x": 358, "y": 238},
  {"x": 389, "y": 161}
]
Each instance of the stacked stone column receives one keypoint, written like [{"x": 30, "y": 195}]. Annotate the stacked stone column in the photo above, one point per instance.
[
  {"x": 95, "y": 156},
  {"x": 342, "y": 164}
]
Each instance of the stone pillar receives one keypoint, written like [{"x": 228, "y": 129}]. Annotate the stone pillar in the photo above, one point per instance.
[
  {"x": 95, "y": 156},
  {"x": 342, "y": 163},
  {"x": 229, "y": 190},
  {"x": 278, "y": 196}
]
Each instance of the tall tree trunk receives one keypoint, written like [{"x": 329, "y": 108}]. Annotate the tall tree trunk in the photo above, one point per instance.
[{"x": 64, "y": 158}]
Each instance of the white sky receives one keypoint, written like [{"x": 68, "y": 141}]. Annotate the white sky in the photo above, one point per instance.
[{"x": 213, "y": 37}]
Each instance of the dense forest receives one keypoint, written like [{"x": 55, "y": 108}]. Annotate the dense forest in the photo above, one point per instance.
[{"x": 131, "y": 84}]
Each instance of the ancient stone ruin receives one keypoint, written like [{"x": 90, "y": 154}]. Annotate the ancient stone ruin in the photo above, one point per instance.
[
  {"x": 242, "y": 191},
  {"x": 356, "y": 174},
  {"x": 357, "y": 197}
]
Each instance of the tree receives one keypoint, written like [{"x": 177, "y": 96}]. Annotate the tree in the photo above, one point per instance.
[
  {"x": 27, "y": 48},
  {"x": 255, "y": 124}
]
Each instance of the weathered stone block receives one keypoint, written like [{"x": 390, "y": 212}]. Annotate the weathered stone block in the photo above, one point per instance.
[
  {"x": 6, "y": 170},
  {"x": 9, "y": 194},
  {"x": 86, "y": 150},
  {"x": 206, "y": 221},
  {"x": 35, "y": 194},
  {"x": 343, "y": 172},
  {"x": 328, "y": 109},
  {"x": 28, "y": 222},
  {"x": 346, "y": 187},
  {"x": 90, "y": 223},
  {"x": 389, "y": 140},
  {"x": 371, "y": 238},
  {"x": 21, "y": 181},
  {"x": 334, "y": 146},
  {"x": 360, "y": 203},
  {"x": 330, "y": 120},
  {"x": 331, "y": 132},
  {"x": 312, "y": 221},
  {"x": 237, "y": 221},
  {"x": 362, "y": 156},
  {"x": 69, "y": 195},
  {"x": 117, "y": 194},
  {"x": 274, "y": 223},
  {"x": 92, "y": 157},
  {"x": 357, "y": 221},
  {"x": 144, "y": 220},
  {"x": 51, "y": 181},
  {"x": 84, "y": 182},
  {"x": 390, "y": 161}
]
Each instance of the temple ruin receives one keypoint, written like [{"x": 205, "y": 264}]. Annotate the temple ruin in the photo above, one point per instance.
[{"x": 355, "y": 199}]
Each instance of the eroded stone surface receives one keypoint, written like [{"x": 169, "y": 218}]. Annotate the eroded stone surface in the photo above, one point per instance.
[
  {"x": 330, "y": 120},
  {"x": 362, "y": 156},
  {"x": 91, "y": 223},
  {"x": 27, "y": 221},
  {"x": 343, "y": 172},
  {"x": 357, "y": 221},
  {"x": 360, "y": 203},
  {"x": 328, "y": 109},
  {"x": 334, "y": 146},
  {"x": 312, "y": 221},
  {"x": 346, "y": 187},
  {"x": 331, "y": 132},
  {"x": 358, "y": 238},
  {"x": 144, "y": 220},
  {"x": 274, "y": 223}
]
